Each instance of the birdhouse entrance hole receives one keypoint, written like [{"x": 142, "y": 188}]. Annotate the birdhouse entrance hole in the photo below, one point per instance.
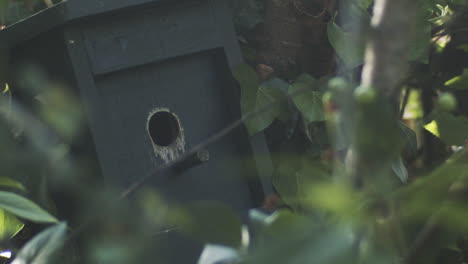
[{"x": 163, "y": 128}]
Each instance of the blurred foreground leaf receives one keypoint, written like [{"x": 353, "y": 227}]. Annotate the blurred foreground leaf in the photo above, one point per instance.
[
  {"x": 24, "y": 208},
  {"x": 452, "y": 130},
  {"x": 212, "y": 222},
  {"x": 296, "y": 239},
  {"x": 41, "y": 248},
  {"x": 213, "y": 254}
]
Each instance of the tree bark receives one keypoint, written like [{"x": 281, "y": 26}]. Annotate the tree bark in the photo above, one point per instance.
[
  {"x": 386, "y": 56},
  {"x": 293, "y": 37}
]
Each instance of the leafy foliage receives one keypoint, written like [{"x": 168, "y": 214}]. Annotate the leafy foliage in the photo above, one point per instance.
[{"x": 400, "y": 206}]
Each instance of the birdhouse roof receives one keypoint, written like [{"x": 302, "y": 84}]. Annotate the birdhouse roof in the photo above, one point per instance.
[{"x": 61, "y": 14}]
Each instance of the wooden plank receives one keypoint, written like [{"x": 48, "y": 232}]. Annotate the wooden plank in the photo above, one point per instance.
[{"x": 130, "y": 39}]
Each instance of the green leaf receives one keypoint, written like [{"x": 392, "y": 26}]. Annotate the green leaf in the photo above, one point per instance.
[
  {"x": 299, "y": 240},
  {"x": 365, "y": 3},
  {"x": 9, "y": 225},
  {"x": 212, "y": 222},
  {"x": 261, "y": 101},
  {"x": 453, "y": 130},
  {"x": 400, "y": 170},
  {"x": 10, "y": 183},
  {"x": 248, "y": 82},
  {"x": 433, "y": 128},
  {"x": 413, "y": 109},
  {"x": 284, "y": 178},
  {"x": 6, "y": 89},
  {"x": 42, "y": 247},
  {"x": 348, "y": 46},
  {"x": 279, "y": 90},
  {"x": 308, "y": 99},
  {"x": 24, "y": 208},
  {"x": 459, "y": 82}
]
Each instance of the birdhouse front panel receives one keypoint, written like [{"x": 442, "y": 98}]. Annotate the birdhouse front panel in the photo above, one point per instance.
[{"x": 157, "y": 82}]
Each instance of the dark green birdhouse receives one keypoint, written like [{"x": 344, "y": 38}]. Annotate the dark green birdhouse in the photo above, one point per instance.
[{"x": 155, "y": 80}]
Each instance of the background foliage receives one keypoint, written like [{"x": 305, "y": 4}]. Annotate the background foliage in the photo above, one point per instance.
[{"x": 299, "y": 86}]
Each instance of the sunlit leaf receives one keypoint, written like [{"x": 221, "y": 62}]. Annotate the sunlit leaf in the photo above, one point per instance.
[
  {"x": 6, "y": 89},
  {"x": 459, "y": 82},
  {"x": 413, "y": 109},
  {"x": 433, "y": 128},
  {"x": 9, "y": 225},
  {"x": 42, "y": 247},
  {"x": 336, "y": 198},
  {"x": 452, "y": 130},
  {"x": 24, "y": 208}
]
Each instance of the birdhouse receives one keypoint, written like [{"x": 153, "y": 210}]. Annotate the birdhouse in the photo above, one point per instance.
[{"x": 155, "y": 80}]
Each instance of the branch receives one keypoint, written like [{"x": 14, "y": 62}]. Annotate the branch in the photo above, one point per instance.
[{"x": 387, "y": 52}]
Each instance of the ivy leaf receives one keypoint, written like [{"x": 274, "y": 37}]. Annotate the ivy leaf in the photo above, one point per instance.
[
  {"x": 24, "y": 208},
  {"x": 279, "y": 89},
  {"x": 267, "y": 109},
  {"x": 284, "y": 179},
  {"x": 348, "y": 46},
  {"x": 41, "y": 248},
  {"x": 260, "y": 101},
  {"x": 452, "y": 130},
  {"x": 459, "y": 82},
  {"x": 308, "y": 99}
]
